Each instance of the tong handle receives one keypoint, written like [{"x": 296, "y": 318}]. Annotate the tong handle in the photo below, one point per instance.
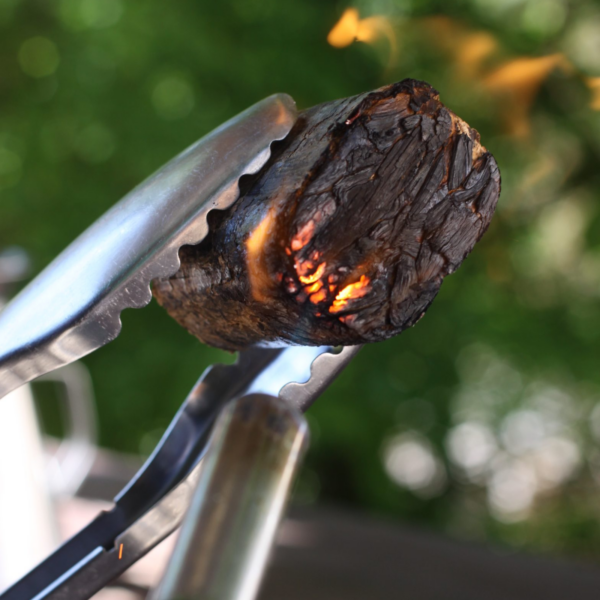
[{"x": 228, "y": 531}]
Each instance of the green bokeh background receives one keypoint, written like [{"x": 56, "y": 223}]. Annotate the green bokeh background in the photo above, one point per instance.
[{"x": 96, "y": 94}]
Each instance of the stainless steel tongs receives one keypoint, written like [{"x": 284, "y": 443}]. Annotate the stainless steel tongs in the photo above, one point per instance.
[{"x": 73, "y": 308}]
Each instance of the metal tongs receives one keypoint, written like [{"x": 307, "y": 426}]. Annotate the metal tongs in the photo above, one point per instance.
[{"x": 73, "y": 308}]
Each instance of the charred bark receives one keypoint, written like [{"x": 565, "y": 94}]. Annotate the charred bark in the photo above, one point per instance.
[{"x": 345, "y": 236}]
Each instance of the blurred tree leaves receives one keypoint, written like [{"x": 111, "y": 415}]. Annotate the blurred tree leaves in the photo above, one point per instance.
[{"x": 96, "y": 94}]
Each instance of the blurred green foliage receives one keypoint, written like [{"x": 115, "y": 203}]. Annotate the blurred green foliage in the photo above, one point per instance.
[{"x": 481, "y": 420}]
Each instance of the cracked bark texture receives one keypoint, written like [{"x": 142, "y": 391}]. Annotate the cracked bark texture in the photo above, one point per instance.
[{"x": 345, "y": 236}]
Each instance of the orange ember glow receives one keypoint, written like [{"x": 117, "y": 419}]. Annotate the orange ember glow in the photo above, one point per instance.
[
  {"x": 257, "y": 238},
  {"x": 315, "y": 287},
  {"x": 257, "y": 271},
  {"x": 303, "y": 236},
  {"x": 348, "y": 319},
  {"x": 308, "y": 279},
  {"x": 318, "y": 297},
  {"x": 350, "y": 292},
  {"x": 594, "y": 84}
]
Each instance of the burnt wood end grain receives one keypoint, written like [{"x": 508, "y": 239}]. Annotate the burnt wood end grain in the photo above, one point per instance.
[{"x": 347, "y": 233}]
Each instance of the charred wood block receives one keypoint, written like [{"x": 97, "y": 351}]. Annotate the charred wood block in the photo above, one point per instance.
[{"x": 345, "y": 236}]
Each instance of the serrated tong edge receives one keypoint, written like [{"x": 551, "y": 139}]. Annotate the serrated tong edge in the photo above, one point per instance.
[
  {"x": 42, "y": 348},
  {"x": 151, "y": 505}
]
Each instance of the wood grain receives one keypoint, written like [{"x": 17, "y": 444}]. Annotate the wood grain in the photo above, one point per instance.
[{"x": 345, "y": 236}]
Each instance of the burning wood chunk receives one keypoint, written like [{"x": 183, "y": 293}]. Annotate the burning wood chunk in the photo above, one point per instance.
[{"x": 345, "y": 236}]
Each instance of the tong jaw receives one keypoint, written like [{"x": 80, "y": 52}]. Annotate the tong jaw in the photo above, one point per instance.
[
  {"x": 154, "y": 502},
  {"x": 73, "y": 307}
]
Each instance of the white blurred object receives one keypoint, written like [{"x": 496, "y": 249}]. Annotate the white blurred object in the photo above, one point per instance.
[
  {"x": 512, "y": 489},
  {"x": 115, "y": 594},
  {"x": 74, "y": 458},
  {"x": 28, "y": 530},
  {"x": 556, "y": 461},
  {"x": 30, "y": 479},
  {"x": 471, "y": 446},
  {"x": 411, "y": 463}
]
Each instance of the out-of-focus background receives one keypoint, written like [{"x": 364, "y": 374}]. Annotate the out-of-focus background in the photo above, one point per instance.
[{"x": 483, "y": 421}]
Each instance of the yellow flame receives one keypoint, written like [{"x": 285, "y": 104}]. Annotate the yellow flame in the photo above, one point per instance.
[
  {"x": 469, "y": 49},
  {"x": 371, "y": 28},
  {"x": 351, "y": 291},
  {"x": 526, "y": 74},
  {"x": 519, "y": 80},
  {"x": 594, "y": 84},
  {"x": 472, "y": 51},
  {"x": 257, "y": 269},
  {"x": 351, "y": 28},
  {"x": 345, "y": 30}
]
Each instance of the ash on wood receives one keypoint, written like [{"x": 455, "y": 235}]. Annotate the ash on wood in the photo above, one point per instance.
[{"x": 345, "y": 236}]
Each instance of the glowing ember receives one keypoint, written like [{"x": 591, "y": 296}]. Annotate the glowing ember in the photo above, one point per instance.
[
  {"x": 318, "y": 297},
  {"x": 315, "y": 287},
  {"x": 308, "y": 279},
  {"x": 350, "y": 292},
  {"x": 303, "y": 236},
  {"x": 348, "y": 319},
  {"x": 257, "y": 271}
]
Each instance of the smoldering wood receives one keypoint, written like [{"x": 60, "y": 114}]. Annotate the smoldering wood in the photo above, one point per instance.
[{"x": 345, "y": 236}]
